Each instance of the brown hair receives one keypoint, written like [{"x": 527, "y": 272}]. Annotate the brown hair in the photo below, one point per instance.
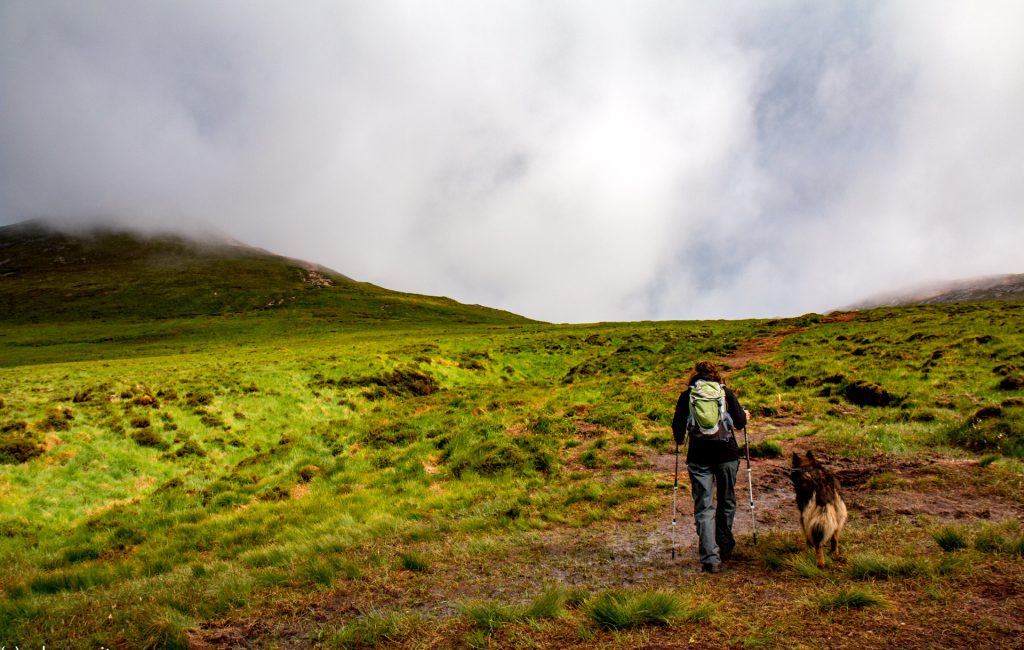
[{"x": 705, "y": 370}]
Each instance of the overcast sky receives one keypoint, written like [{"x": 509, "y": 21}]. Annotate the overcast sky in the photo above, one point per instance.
[{"x": 568, "y": 161}]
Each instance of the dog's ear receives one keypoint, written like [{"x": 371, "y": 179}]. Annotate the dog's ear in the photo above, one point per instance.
[
  {"x": 810, "y": 455},
  {"x": 796, "y": 459}
]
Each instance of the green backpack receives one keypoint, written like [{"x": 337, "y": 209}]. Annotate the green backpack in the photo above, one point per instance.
[{"x": 709, "y": 419}]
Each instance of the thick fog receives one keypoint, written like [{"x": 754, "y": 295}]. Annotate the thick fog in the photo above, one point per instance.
[{"x": 568, "y": 161}]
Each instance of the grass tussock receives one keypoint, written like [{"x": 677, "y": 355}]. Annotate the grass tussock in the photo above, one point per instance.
[
  {"x": 805, "y": 566},
  {"x": 777, "y": 552},
  {"x": 489, "y": 616},
  {"x": 413, "y": 561},
  {"x": 853, "y": 598},
  {"x": 766, "y": 449},
  {"x": 1001, "y": 537},
  {"x": 373, "y": 629},
  {"x": 868, "y": 566},
  {"x": 950, "y": 539},
  {"x": 621, "y": 609}
]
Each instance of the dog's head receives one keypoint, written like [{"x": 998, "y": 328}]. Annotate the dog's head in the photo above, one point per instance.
[{"x": 806, "y": 472}]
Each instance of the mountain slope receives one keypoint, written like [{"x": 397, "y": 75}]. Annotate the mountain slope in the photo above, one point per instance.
[
  {"x": 48, "y": 276},
  {"x": 995, "y": 287}
]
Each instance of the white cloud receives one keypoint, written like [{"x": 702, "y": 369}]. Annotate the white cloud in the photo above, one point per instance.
[{"x": 570, "y": 161}]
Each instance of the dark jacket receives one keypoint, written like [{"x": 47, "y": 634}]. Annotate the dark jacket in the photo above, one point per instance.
[{"x": 709, "y": 452}]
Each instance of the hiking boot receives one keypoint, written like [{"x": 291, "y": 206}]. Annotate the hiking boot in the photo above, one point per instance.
[
  {"x": 710, "y": 567},
  {"x": 725, "y": 553}
]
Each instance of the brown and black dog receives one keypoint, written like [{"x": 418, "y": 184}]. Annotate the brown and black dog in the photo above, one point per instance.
[{"x": 822, "y": 511}]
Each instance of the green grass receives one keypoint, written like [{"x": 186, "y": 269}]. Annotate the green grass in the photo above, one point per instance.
[
  {"x": 853, "y": 598},
  {"x": 1000, "y": 537},
  {"x": 489, "y": 616},
  {"x": 413, "y": 561},
  {"x": 373, "y": 629},
  {"x": 805, "y": 566},
  {"x": 766, "y": 449},
  {"x": 950, "y": 539},
  {"x": 621, "y": 609},
  {"x": 868, "y": 566}
]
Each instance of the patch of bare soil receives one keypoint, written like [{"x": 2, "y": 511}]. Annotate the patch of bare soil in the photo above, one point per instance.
[
  {"x": 756, "y": 350},
  {"x": 759, "y": 350}
]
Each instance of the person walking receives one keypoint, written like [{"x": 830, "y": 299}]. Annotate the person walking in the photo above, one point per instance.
[{"x": 709, "y": 414}]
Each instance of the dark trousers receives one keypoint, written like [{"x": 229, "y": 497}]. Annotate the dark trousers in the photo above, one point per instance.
[{"x": 714, "y": 524}]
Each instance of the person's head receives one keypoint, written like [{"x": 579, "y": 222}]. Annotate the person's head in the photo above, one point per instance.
[{"x": 705, "y": 370}]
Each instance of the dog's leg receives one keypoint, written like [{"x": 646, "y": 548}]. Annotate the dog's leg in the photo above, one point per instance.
[
  {"x": 819, "y": 552},
  {"x": 835, "y": 545}
]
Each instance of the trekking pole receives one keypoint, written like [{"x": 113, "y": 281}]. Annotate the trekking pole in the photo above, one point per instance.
[
  {"x": 675, "y": 491},
  {"x": 750, "y": 486}
]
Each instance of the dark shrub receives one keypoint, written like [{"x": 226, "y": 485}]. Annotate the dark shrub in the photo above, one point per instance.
[
  {"x": 18, "y": 448},
  {"x": 59, "y": 419},
  {"x": 190, "y": 448},
  {"x": 148, "y": 438},
  {"x": 127, "y": 537},
  {"x": 988, "y": 412},
  {"x": 276, "y": 493},
  {"x": 389, "y": 435},
  {"x": 146, "y": 399},
  {"x": 308, "y": 473},
  {"x": 198, "y": 398},
  {"x": 408, "y": 381},
  {"x": 865, "y": 393},
  {"x": 211, "y": 420},
  {"x": 1012, "y": 382}
]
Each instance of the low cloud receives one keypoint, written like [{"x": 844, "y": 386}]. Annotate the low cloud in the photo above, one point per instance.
[{"x": 570, "y": 161}]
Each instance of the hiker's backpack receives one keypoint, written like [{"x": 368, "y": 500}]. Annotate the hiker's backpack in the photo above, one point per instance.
[{"x": 709, "y": 419}]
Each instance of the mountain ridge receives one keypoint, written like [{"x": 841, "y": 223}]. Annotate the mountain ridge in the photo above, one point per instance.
[{"x": 977, "y": 289}]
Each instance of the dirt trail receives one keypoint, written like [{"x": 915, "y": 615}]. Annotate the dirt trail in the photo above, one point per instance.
[
  {"x": 756, "y": 350},
  {"x": 759, "y": 349}
]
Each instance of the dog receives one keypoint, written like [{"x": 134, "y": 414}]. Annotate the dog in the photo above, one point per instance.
[{"x": 821, "y": 506}]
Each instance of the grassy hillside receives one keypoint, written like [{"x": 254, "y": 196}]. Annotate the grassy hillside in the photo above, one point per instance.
[
  {"x": 261, "y": 481},
  {"x": 48, "y": 276}
]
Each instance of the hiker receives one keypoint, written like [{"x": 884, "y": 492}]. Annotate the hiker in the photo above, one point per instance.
[{"x": 712, "y": 459}]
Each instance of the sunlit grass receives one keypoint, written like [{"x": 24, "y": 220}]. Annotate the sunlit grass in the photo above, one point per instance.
[{"x": 318, "y": 466}]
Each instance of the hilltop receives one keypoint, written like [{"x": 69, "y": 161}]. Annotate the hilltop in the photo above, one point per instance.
[
  {"x": 53, "y": 275},
  {"x": 992, "y": 287}
]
